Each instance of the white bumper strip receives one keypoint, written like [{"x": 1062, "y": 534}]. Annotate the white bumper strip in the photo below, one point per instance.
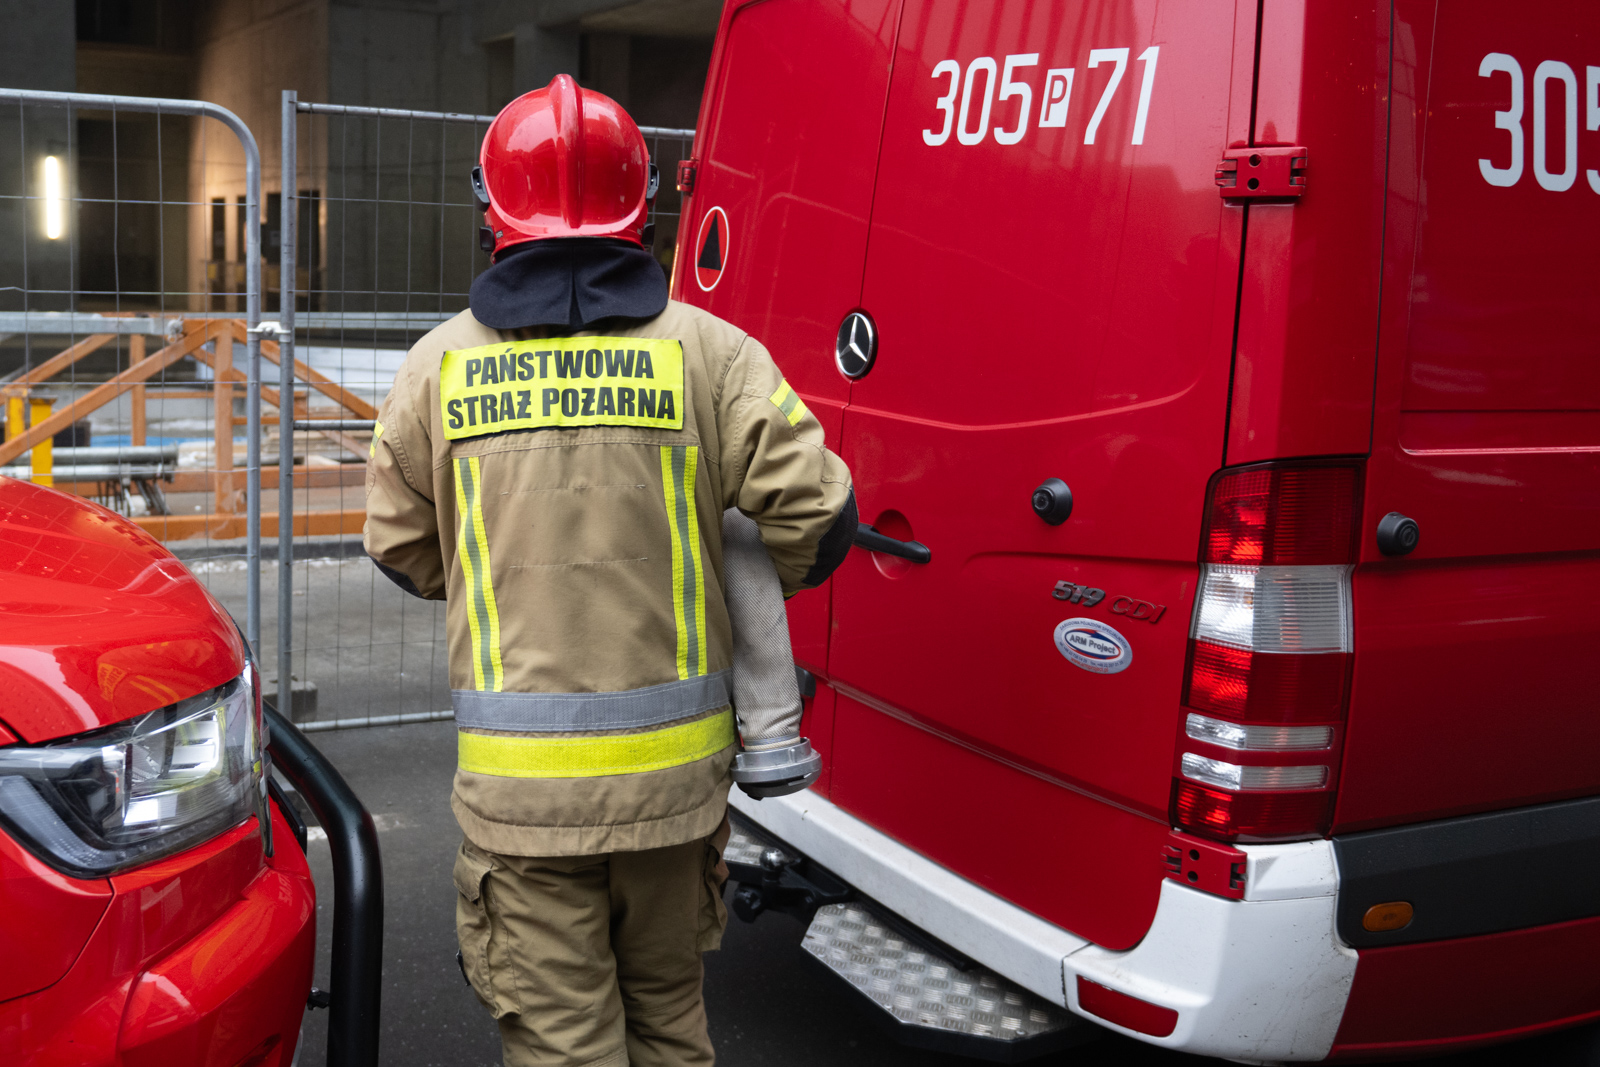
[
  {"x": 996, "y": 933},
  {"x": 1264, "y": 979}
]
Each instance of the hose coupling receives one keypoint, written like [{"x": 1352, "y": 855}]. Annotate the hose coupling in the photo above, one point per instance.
[{"x": 776, "y": 768}]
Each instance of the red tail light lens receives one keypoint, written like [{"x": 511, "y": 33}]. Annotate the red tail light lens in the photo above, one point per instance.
[
  {"x": 1283, "y": 514},
  {"x": 1269, "y": 653},
  {"x": 1219, "y": 814},
  {"x": 1249, "y": 686}
]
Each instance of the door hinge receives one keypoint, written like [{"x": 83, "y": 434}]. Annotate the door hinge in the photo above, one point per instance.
[
  {"x": 1275, "y": 173},
  {"x": 686, "y": 173}
]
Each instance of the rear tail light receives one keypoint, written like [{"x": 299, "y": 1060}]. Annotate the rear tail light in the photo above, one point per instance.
[
  {"x": 1258, "y": 738},
  {"x": 1269, "y": 653}
]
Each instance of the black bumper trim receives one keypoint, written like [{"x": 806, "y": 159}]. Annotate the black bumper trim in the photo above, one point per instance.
[{"x": 1481, "y": 874}]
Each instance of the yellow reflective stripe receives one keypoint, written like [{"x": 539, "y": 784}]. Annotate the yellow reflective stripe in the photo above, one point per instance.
[
  {"x": 675, "y": 537},
  {"x": 472, "y": 548},
  {"x": 591, "y": 757},
  {"x": 788, "y": 401},
  {"x": 697, "y": 605},
  {"x": 678, "y": 466},
  {"x": 377, "y": 432}
]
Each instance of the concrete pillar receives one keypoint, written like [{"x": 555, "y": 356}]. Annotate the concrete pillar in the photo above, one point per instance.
[
  {"x": 610, "y": 56},
  {"x": 541, "y": 54}
]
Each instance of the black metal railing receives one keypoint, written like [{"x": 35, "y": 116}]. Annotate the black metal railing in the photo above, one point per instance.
[{"x": 356, "y": 971}]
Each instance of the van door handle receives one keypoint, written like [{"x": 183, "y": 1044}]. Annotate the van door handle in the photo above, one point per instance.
[{"x": 870, "y": 539}]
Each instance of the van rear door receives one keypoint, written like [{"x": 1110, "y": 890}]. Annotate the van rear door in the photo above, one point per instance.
[
  {"x": 1052, "y": 276},
  {"x": 1475, "y": 670},
  {"x": 775, "y": 231}
]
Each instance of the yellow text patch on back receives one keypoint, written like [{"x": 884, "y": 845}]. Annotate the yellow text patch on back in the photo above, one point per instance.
[{"x": 562, "y": 382}]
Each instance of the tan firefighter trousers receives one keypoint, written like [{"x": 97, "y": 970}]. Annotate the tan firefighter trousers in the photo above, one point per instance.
[{"x": 594, "y": 961}]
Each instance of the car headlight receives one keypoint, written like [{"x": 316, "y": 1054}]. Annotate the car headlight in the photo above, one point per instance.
[{"x": 121, "y": 796}]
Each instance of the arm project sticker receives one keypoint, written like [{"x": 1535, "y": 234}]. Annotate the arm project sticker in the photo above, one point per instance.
[{"x": 1094, "y": 646}]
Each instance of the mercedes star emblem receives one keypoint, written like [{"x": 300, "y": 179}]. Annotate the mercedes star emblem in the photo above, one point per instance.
[{"x": 857, "y": 345}]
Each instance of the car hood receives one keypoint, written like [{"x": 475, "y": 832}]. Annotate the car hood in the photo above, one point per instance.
[{"x": 98, "y": 622}]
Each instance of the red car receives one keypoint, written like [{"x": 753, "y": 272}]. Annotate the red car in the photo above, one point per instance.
[{"x": 156, "y": 906}]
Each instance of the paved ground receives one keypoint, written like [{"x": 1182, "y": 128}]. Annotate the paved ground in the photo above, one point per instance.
[{"x": 770, "y": 1005}]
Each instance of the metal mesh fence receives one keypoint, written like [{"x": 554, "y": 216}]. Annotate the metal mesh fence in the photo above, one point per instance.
[
  {"x": 129, "y": 287},
  {"x": 376, "y": 235}
]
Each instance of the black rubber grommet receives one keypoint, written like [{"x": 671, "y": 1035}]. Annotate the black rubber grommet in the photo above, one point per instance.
[
  {"x": 1397, "y": 534},
  {"x": 1052, "y": 501}
]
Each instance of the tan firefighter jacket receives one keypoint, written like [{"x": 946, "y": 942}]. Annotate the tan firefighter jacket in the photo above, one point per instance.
[{"x": 565, "y": 496}]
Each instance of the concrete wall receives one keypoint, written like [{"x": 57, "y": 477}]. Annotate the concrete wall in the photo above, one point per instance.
[
  {"x": 246, "y": 53},
  {"x": 38, "y": 49},
  {"x": 393, "y": 219}
]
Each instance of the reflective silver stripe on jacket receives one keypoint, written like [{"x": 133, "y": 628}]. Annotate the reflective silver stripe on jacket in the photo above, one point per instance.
[{"x": 541, "y": 712}]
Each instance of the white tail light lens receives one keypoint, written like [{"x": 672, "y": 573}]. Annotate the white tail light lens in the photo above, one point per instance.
[
  {"x": 1275, "y": 609},
  {"x": 1236, "y": 778},
  {"x": 1258, "y": 738}
]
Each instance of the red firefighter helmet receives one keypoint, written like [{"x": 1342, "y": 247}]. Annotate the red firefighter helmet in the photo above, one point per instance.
[{"x": 563, "y": 162}]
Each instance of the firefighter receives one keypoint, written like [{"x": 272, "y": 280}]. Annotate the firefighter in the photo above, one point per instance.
[{"x": 555, "y": 464}]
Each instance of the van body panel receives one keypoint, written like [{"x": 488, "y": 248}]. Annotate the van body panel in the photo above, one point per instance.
[
  {"x": 1475, "y": 675},
  {"x": 816, "y": 724},
  {"x": 792, "y": 173},
  {"x": 1470, "y": 991},
  {"x": 1095, "y": 302},
  {"x": 1069, "y": 858},
  {"x": 1308, "y": 300}
]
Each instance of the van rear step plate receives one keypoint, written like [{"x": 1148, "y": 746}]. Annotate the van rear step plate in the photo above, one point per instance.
[{"x": 928, "y": 1002}]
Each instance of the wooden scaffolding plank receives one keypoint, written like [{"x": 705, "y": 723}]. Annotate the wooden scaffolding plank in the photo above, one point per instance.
[
  {"x": 57, "y": 363},
  {"x": 196, "y": 334}
]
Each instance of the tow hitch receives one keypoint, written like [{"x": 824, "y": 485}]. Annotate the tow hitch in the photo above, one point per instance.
[{"x": 770, "y": 879}]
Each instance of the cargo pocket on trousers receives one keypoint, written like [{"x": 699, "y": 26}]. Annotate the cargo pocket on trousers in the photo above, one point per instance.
[
  {"x": 713, "y": 912},
  {"x": 475, "y": 928}
]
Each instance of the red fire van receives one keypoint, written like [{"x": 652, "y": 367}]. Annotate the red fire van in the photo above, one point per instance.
[
  {"x": 155, "y": 905},
  {"x": 1237, "y": 366}
]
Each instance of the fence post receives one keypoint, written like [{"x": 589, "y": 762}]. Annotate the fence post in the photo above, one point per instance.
[
  {"x": 288, "y": 222},
  {"x": 252, "y": 394},
  {"x": 222, "y": 414}
]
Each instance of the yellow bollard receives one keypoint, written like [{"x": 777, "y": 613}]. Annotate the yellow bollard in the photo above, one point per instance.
[
  {"x": 44, "y": 451},
  {"x": 15, "y": 406}
]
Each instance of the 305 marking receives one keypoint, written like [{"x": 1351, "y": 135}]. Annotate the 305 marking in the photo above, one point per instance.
[
  {"x": 1054, "y": 99},
  {"x": 1510, "y": 120}
]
